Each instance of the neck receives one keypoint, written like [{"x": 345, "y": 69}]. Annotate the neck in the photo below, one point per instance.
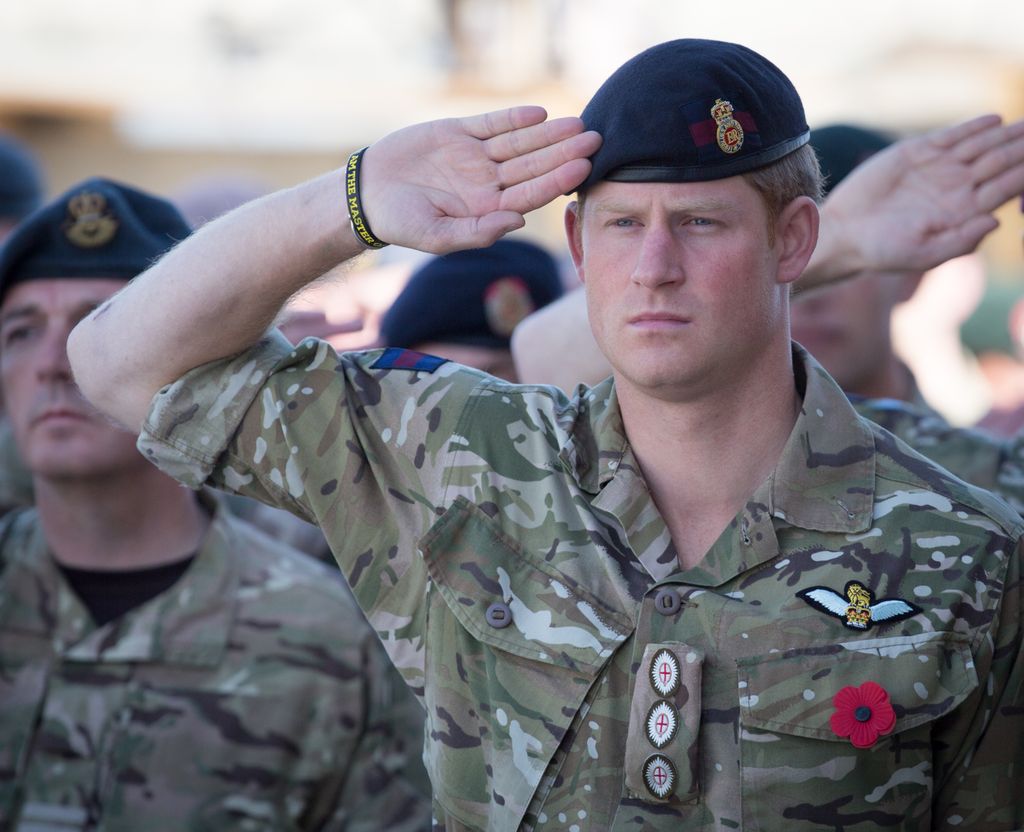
[
  {"x": 119, "y": 522},
  {"x": 703, "y": 457}
]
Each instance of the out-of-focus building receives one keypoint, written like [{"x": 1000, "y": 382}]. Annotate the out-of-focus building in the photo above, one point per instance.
[{"x": 159, "y": 95}]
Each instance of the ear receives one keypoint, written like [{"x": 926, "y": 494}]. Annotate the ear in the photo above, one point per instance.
[
  {"x": 574, "y": 237},
  {"x": 796, "y": 234}
]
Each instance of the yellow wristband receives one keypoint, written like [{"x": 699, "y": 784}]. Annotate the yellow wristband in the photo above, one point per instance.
[{"x": 356, "y": 216}]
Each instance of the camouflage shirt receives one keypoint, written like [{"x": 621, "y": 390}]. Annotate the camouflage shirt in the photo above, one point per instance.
[
  {"x": 504, "y": 545},
  {"x": 251, "y": 695},
  {"x": 991, "y": 462}
]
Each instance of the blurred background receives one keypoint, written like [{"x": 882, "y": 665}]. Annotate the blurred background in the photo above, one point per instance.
[{"x": 212, "y": 102}]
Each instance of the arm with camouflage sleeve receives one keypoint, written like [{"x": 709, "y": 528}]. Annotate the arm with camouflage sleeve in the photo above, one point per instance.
[{"x": 439, "y": 186}]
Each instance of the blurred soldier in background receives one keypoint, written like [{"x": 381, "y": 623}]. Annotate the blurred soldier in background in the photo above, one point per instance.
[
  {"x": 847, "y": 326},
  {"x": 464, "y": 306},
  {"x": 163, "y": 665},
  {"x": 21, "y": 192}
]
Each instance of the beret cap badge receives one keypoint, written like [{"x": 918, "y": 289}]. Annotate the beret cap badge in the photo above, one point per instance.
[
  {"x": 90, "y": 224},
  {"x": 729, "y": 134}
]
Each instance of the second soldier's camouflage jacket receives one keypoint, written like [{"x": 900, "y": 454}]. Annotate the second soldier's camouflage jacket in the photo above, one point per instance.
[
  {"x": 251, "y": 695},
  {"x": 503, "y": 543},
  {"x": 990, "y": 462}
]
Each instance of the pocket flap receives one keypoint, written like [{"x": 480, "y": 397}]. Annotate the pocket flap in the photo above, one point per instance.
[
  {"x": 926, "y": 677},
  {"x": 475, "y": 567}
]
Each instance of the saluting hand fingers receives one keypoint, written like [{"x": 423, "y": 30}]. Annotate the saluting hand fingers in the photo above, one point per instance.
[
  {"x": 497, "y": 122},
  {"x": 527, "y": 140},
  {"x": 533, "y": 193},
  {"x": 536, "y": 163}
]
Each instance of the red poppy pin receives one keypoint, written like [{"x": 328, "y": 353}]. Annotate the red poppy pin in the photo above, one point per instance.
[{"x": 863, "y": 714}]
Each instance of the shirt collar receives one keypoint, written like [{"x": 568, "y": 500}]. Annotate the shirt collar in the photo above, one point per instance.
[
  {"x": 824, "y": 479},
  {"x": 189, "y": 624},
  {"x": 595, "y": 440}
]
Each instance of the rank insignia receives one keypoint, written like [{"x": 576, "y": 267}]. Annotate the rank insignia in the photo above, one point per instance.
[
  {"x": 858, "y": 610},
  {"x": 729, "y": 133},
  {"x": 396, "y": 358},
  {"x": 659, "y": 776},
  {"x": 90, "y": 223},
  {"x": 506, "y": 302},
  {"x": 664, "y": 673},
  {"x": 662, "y": 722}
]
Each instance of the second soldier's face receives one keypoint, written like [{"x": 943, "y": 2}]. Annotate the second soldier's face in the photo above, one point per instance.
[
  {"x": 682, "y": 288},
  {"x": 58, "y": 434}
]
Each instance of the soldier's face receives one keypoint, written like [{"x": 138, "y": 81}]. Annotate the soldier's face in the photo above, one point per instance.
[
  {"x": 683, "y": 287},
  {"x": 58, "y": 433},
  {"x": 846, "y": 326}
]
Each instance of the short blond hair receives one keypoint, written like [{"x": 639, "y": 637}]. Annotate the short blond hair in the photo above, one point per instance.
[{"x": 794, "y": 175}]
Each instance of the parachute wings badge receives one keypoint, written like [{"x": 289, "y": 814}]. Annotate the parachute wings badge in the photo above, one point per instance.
[{"x": 857, "y": 610}]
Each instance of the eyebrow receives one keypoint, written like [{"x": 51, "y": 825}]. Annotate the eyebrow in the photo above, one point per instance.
[
  {"x": 30, "y": 309},
  {"x": 18, "y": 312}
]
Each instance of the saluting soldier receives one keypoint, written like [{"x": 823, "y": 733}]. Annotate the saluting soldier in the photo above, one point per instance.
[
  {"x": 164, "y": 665},
  {"x": 621, "y": 608}
]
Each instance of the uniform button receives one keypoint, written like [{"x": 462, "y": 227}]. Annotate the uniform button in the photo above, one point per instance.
[
  {"x": 667, "y": 601},
  {"x": 499, "y": 615}
]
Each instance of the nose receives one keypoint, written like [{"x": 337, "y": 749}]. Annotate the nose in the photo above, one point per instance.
[
  {"x": 52, "y": 358},
  {"x": 658, "y": 261}
]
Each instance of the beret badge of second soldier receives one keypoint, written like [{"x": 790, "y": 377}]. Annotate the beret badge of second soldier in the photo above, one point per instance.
[
  {"x": 858, "y": 610},
  {"x": 729, "y": 134},
  {"x": 506, "y": 302},
  {"x": 90, "y": 223}
]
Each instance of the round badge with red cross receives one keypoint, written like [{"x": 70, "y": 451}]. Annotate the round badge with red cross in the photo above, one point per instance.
[
  {"x": 665, "y": 672},
  {"x": 659, "y": 776},
  {"x": 662, "y": 723}
]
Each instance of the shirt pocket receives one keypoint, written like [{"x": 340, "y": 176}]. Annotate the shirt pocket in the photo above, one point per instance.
[
  {"x": 203, "y": 759},
  {"x": 797, "y": 767},
  {"x": 513, "y": 649}
]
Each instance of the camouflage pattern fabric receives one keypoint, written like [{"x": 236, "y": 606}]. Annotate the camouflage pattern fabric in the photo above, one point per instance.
[
  {"x": 249, "y": 696},
  {"x": 990, "y": 462},
  {"x": 503, "y": 543},
  {"x": 15, "y": 480}
]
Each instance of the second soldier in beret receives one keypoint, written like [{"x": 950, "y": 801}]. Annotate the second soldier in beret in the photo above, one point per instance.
[
  {"x": 465, "y": 305},
  {"x": 163, "y": 665},
  {"x": 703, "y": 594}
]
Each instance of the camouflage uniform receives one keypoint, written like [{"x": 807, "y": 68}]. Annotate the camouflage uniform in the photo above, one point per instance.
[
  {"x": 990, "y": 462},
  {"x": 503, "y": 544},
  {"x": 248, "y": 696}
]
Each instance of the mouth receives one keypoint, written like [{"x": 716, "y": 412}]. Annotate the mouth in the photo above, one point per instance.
[
  {"x": 658, "y": 320},
  {"x": 60, "y": 414}
]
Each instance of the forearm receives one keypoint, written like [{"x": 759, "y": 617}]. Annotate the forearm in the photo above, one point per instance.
[
  {"x": 836, "y": 256},
  {"x": 212, "y": 296}
]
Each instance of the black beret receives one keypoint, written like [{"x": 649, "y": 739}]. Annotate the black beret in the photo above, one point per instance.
[
  {"x": 690, "y": 111},
  {"x": 472, "y": 297},
  {"x": 98, "y": 228},
  {"x": 841, "y": 147},
  {"x": 21, "y": 184}
]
